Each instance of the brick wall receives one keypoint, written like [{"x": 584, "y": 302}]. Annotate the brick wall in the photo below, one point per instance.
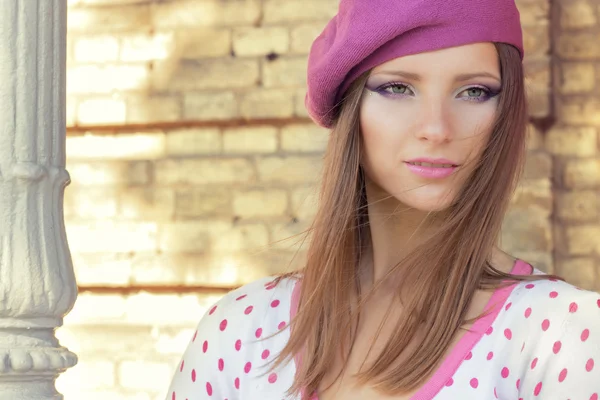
[
  {"x": 191, "y": 156},
  {"x": 573, "y": 140}
]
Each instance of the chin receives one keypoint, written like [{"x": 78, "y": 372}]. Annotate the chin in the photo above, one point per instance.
[{"x": 428, "y": 203}]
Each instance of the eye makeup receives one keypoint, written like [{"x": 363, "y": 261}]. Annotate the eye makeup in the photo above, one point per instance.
[{"x": 396, "y": 90}]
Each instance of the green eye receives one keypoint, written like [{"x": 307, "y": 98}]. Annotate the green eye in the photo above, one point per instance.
[
  {"x": 475, "y": 92},
  {"x": 399, "y": 89}
]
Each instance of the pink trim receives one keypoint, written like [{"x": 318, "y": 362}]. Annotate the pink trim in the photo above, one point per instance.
[{"x": 464, "y": 345}]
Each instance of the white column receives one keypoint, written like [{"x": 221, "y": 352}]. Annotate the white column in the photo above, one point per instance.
[{"x": 37, "y": 285}]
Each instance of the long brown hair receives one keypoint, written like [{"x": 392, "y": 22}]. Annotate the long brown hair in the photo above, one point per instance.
[{"x": 443, "y": 272}]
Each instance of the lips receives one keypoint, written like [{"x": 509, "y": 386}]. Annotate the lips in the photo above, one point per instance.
[{"x": 432, "y": 168}]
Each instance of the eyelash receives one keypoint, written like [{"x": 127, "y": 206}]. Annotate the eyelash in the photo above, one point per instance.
[{"x": 487, "y": 93}]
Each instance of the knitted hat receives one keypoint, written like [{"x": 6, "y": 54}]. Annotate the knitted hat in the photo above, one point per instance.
[{"x": 366, "y": 33}]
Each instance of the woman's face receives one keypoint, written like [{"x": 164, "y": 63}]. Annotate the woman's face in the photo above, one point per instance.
[{"x": 425, "y": 120}]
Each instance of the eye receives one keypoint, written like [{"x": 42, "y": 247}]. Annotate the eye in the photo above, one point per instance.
[
  {"x": 396, "y": 88},
  {"x": 475, "y": 93}
]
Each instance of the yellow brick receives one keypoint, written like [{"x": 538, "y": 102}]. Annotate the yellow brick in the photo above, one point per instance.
[
  {"x": 534, "y": 138},
  {"x": 71, "y": 116},
  {"x": 198, "y": 202},
  {"x": 193, "y": 141},
  {"x": 92, "y": 374},
  {"x": 538, "y": 165},
  {"x": 303, "y": 36},
  {"x": 581, "y": 272},
  {"x": 299, "y": 103},
  {"x": 260, "y": 203},
  {"x": 260, "y": 41},
  {"x": 285, "y": 72},
  {"x": 162, "y": 309},
  {"x": 260, "y": 139},
  {"x": 138, "y": 146},
  {"x": 578, "y": 46},
  {"x": 95, "y": 79},
  {"x": 304, "y": 138},
  {"x": 108, "y": 173},
  {"x": 267, "y": 103},
  {"x": 118, "y": 18},
  {"x": 146, "y": 203},
  {"x": 533, "y": 194},
  {"x": 534, "y": 13},
  {"x": 572, "y": 141},
  {"x": 583, "y": 240},
  {"x": 91, "y": 202},
  {"x": 290, "y": 236},
  {"x": 100, "y": 111},
  {"x": 577, "y": 78},
  {"x": 537, "y": 81},
  {"x": 305, "y": 202},
  {"x": 112, "y": 236},
  {"x": 289, "y": 170},
  {"x": 98, "y": 308},
  {"x": 536, "y": 40},
  {"x": 193, "y": 13},
  {"x": 101, "y": 48},
  {"x": 152, "y": 108},
  {"x": 147, "y": 47},
  {"x": 577, "y": 205},
  {"x": 204, "y": 171},
  {"x": 140, "y": 375},
  {"x": 579, "y": 110},
  {"x": 527, "y": 230},
  {"x": 225, "y": 73},
  {"x": 102, "y": 269},
  {"x": 542, "y": 260},
  {"x": 582, "y": 174},
  {"x": 210, "y": 106},
  {"x": 249, "y": 237},
  {"x": 203, "y": 42},
  {"x": 577, "y": 14},
  {"x": 277, "y": 11}
]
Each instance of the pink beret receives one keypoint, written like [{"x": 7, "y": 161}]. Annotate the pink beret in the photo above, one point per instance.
[{"x": 366, "y": 33}]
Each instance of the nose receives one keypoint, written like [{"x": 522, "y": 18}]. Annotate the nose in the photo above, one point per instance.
[{"x": 434, "y": 124}]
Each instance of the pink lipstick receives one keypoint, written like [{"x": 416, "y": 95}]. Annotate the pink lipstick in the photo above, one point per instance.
[{"x": 432, "y": 168}]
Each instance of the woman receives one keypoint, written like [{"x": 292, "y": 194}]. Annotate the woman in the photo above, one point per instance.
[{"x": 405, "y": 294}]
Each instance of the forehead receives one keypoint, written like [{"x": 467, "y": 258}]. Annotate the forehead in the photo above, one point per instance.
[{"x": 477, "y": 56}]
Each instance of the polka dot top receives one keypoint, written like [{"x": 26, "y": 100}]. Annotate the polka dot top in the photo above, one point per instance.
[{"x": 541, "y": 341}]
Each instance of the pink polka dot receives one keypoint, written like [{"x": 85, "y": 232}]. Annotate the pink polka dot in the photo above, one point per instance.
[
  {"x": 490, "y": 355},
  {"x": 205, "y": 346},
  {"x": 238, "y": 344},
  {"x": 258, "y": 333},
  {"x": 181, "y": 367},
  {"x": 495, "y": 394},
  {"x": 505, "y": 372},
  {"x": 450, "y": 382},
  {"x": 209, "y": 388},
  {"x": 223, "y": 325},
  {"x": 281, "y": 325},
  {"x": 518, "y": 383},
  {"x": 195, "y": 334},
  {"x": 594, "y": 396},
  {"x": 489, "y": 331},
  {"x": 508, "y": 333},
  {"x": 589, "y": 365},
  {"x": 556, "y": 347},
  {"x": 236, "y": 382},
  {"x": 538, "y": 389},
  {"x": 528, "y": 312},
  {"x": 598, "y": 303},
  {"x": 545, "y": 325},
  {"x": 212, "y": 310},
  {"x": 241, "y": 297},
  {"x": 522, "y": 347},
  {"x": 221, "y": 364},
  {"x": 474, "y": 383},
  {"x": 265, "y": 354},
  {"x": 585, "y": 335},
  {"x": 274, "y": 303},
  {"x": 247, "y": 367},
  {"x": 562, "y": 375},
  {"x": 273, "y": 378},
  {"x": 553, "y": 294},
  {"x": 248, "y": 310},
  {"x": 193, "y": 375},
  {"x": 529, "y": 286},
  {"x": 573, "y": 307},
  {"x": 270, "y": 286},
  {"x": 173, "y": 396},
  {"x": 469, "y": 356},
  {"x": 534, "y": 363},
  {"x": 506, "y": 308}
]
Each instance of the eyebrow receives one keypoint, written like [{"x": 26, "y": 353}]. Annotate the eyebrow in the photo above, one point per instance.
[{"x": 458, "y": 78}]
